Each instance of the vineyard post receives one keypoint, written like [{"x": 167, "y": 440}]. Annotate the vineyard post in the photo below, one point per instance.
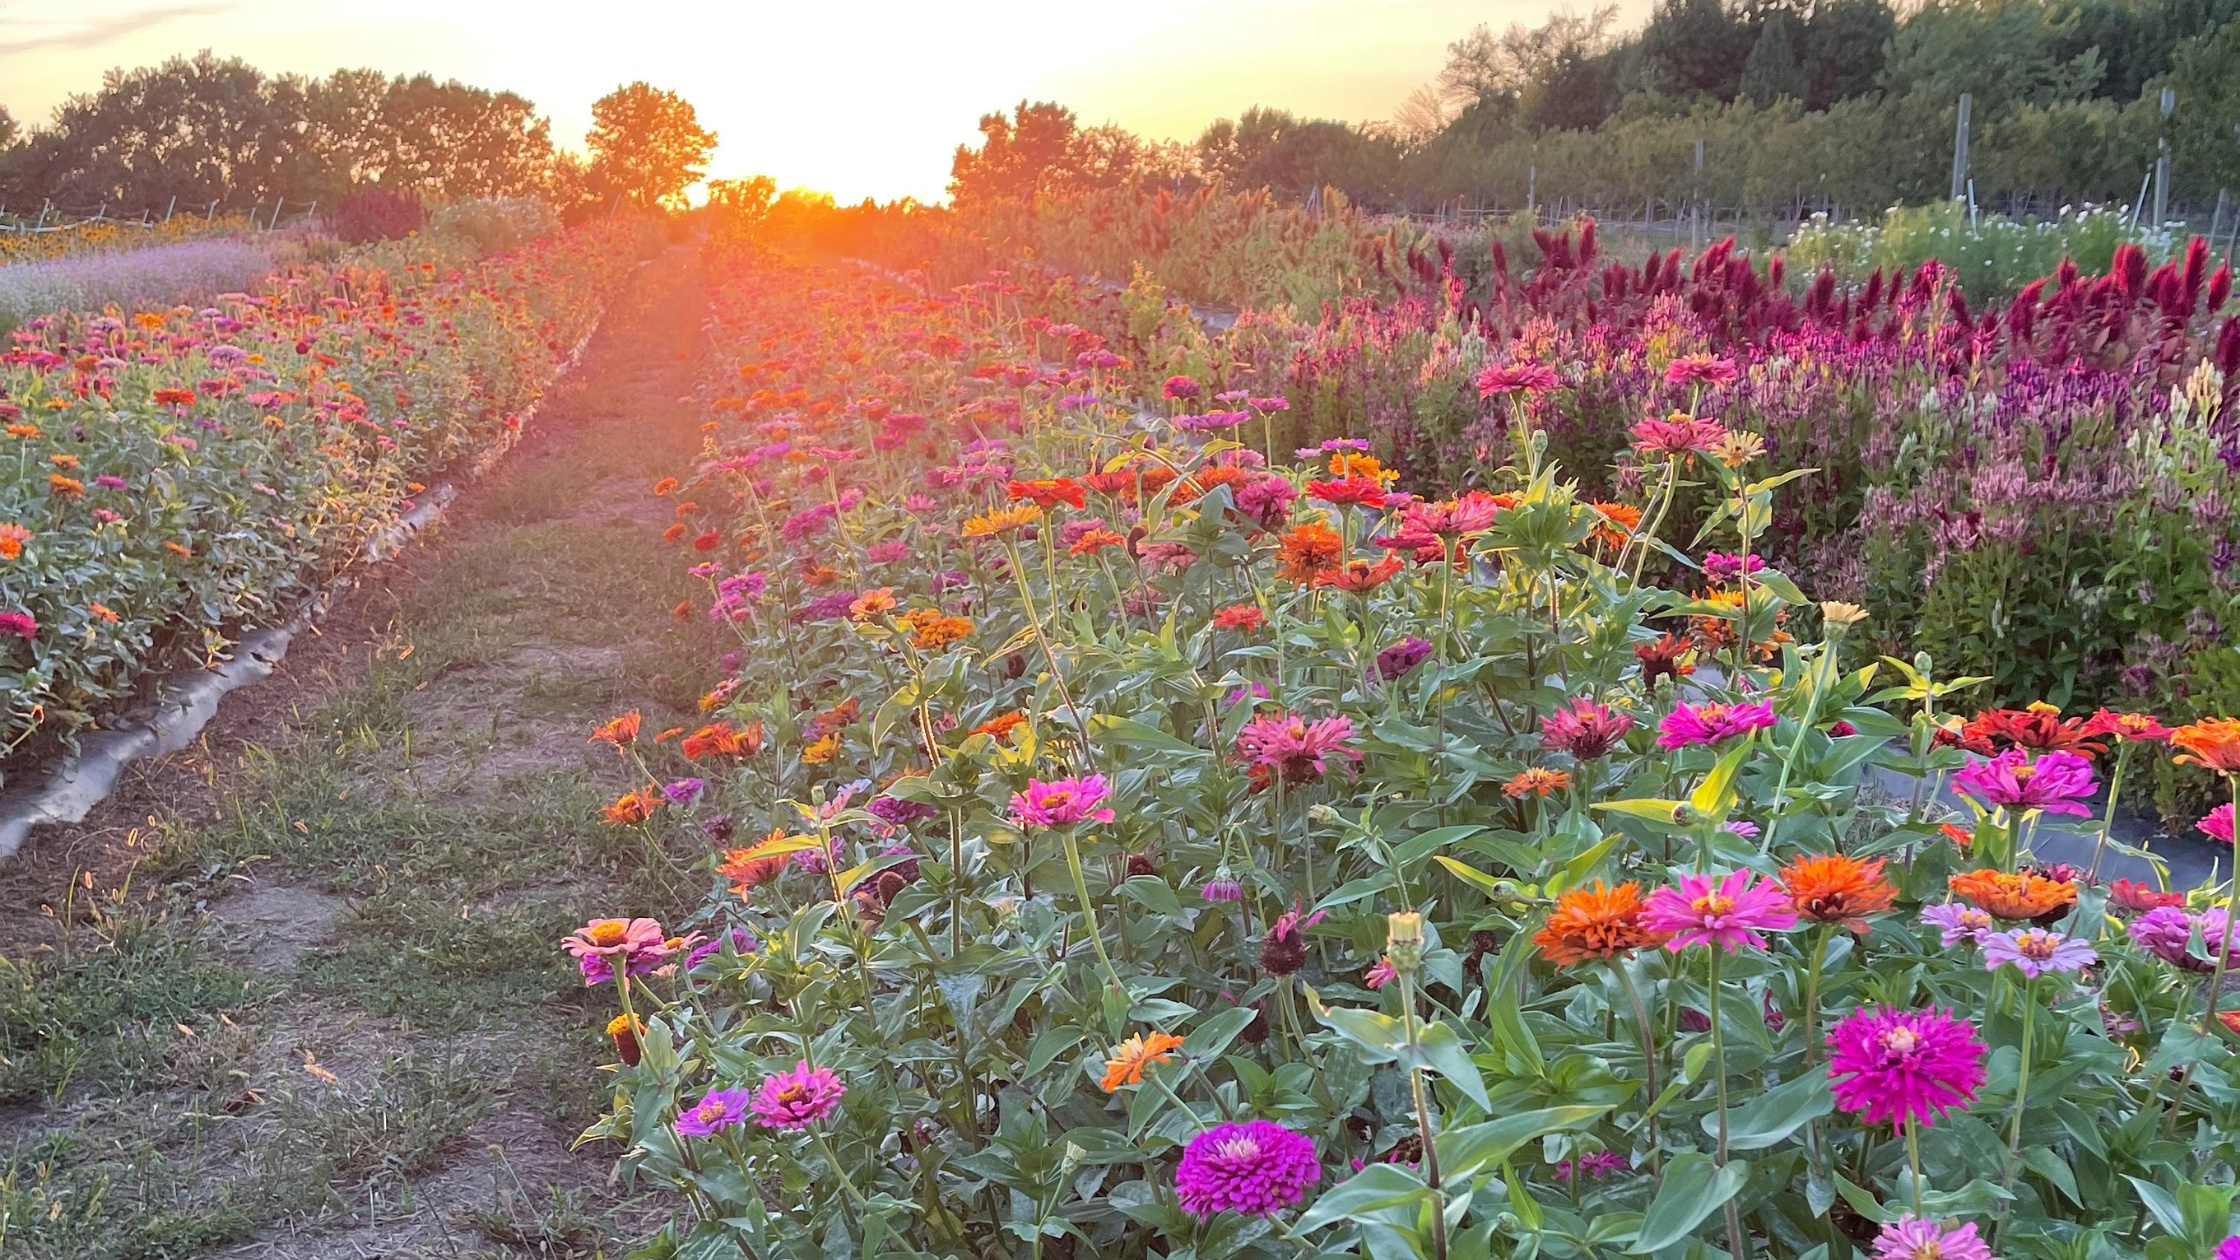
[
  {"x": 173, "y": 205},
  {"x": 2162, "y": 161},
  {"x": 212, "y": 212},
  {"x": 1960, "y": 147},
  {"x": 1695, "y": 202},
  {"x": 275, "y": 224},
  {"x": 48, "y": 205}
]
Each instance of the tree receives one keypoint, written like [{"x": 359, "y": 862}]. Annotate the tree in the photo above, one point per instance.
[
  {"x": 1483, "y": 68},
  {"x": 2205, "y": 131},
  {"x": 2005, "y": 52},
  {"x": 1032, "y": 150},
  {"x": 647, "y": 146},
  {"x": 1694, "y": 47},
  {"x": 1843, "y": 46},
  {"x": 1772, "y": 71},
  {"x": 8, "y": 128}
]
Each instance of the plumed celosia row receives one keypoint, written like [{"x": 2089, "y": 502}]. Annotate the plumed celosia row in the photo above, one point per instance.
[
  {"x": 1137, "y": 830},
  {"x": 171, "y": 477}
]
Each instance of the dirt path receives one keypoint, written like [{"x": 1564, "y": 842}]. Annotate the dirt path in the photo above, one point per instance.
[{"x": 308, "y": 1003}]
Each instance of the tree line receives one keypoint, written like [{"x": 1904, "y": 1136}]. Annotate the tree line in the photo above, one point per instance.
[
  {"x": 203, "y": 129},
  {"x": 1800, "y": 105}
]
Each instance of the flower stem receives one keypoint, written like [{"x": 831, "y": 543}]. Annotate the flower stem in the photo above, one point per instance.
[
  {"x": 1913, "y": 1158},
  {"x": 2231, "y": 919},
  {"x": 1812, "y": 991},
  {"x": 1424, "y": 1131},
  {"x": 1088, "y": 909},
  {"x": 1648, "y": 1051},
  {"x": 2022, "y": 1082},
  {"x": 1737, "y": 1244}
]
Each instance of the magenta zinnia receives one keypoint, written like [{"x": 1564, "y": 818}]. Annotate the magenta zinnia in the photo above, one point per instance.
[
  {"x": 796, "y": 1099},
  {"x": 1728, "y": 915},
  {"x": 1291, "y": 746},
  {"x": 721, "y": 1109},
  {"x": 1711, "y": 723},
  {"x": 1516, "y": 378},
  {"x": 2056, "y": 782},
  {"x": 1252, "y": 1168},
  {"x": 1890, "y": 1064},
  {"x": 1062, "y": 802}
]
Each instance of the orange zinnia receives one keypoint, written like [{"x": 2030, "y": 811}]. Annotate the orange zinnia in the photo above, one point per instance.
[
  {"x": 718, "y": 739},
  {"x": 1000, "y": 521},
  {"x": 1536, "y": 781},
  {"x": 931, "y": 629},
  {"x": 1359, "y": 576},
  {"x": 632, "y": 808},
  {"x": 65, "y": 487},
  {"x": 1049, "y": 492},
  {"x": 12, "y": 539},
  {"x": 821, "y": 752},
  {"x": 620, "y": 732},
  {"x": 871, "y": 603},
  {"x": 749, "y": 869},
  {"x": 2018, "y": 896},
  {"x": 1834, "y": 888},
  {"x": 1132, "y": 1056},
  {"x": 1618, "y": 522},
  {"x": 1306, "y": 551},
  {"x": 1592, "y": 923},
  {"x": 2212, "y": 742},
  {"x": 1000, "y": 725}
]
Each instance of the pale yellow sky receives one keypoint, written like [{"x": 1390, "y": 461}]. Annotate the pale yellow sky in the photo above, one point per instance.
[{"x": 863, "y": 98}]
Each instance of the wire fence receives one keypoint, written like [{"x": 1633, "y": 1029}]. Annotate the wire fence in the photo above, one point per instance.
[{"x": 49, "y": 217}]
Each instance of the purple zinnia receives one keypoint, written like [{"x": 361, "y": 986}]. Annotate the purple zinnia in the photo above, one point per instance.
[
  {"x": 2167, "y": 933},
  {"x": 721, "y": 1109},
  {"x": 684, "y": 791},
  {"x": 797, "y": 1099},
  {"x": 896, "y": 811},
  {"x": 2036, "y": 951},
  {"x": 1401, "y": 657},
  {"x": 1252, "y": 1168},
  {"x": 742, "y": 942},
  {"x": 1959, "y": 921},
  {"x": 1891, "y": 1064}
]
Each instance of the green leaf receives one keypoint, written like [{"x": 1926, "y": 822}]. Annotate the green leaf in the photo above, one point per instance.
[
  {"x": 2161, "y": 1205},
  {"x": 1211, "y": 1038},
  {"x": 1443, "y": 1052},
  {"x": 1476, "y": 878},
  {"x": 1374, "y": 1188},
  {"x": 1472, "y": 1147},
  {"x": 1134, "y": 734},
  {"x": 1660, "y": 811},
  {"x": 1776, "y": 1113},
  {"x": 1715, "y": 795},
  {"x": 1692, "y": 1189}
]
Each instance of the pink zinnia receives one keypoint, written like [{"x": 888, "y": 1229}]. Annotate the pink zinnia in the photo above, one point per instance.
[
  {"x": 1379, "y": 974},
  {"x": 1919, "y": 1238},
  {"x": 721, "y": 1109},
  {"x": 2056, "y": 782},
  {"x": 1291, "y": 746},
  {"x": 1062, "y": 802},
  {"x": 1252, "y": 1169},
  {"x": 1728, "y": 916},
  {"x": 1517, "y": 378},
  {"x": 797, "y": 1099},
  {"x": 1678, "y": 435},
  {"x": 1586, "y": 730},
  {"x": 24, "y": 626},
  {"x": 1473, "y": 513},
  {"x": 1701, "y": 369},
  {"x": 2218, "y": 821},
  {"x": 1890, "y": 1064},
  {"x": 597, "y": 944},
  {"x": 1711, "y": 723}
]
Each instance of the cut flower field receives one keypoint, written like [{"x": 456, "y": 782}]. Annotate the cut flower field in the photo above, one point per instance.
[{"x": 1045, "y": 778}]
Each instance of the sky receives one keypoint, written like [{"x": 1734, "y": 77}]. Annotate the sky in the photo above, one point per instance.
[{"x": 857, "y": 98}]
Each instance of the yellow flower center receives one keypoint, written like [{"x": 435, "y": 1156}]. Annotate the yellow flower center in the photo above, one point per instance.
[{"x": 1713, "y": 904}]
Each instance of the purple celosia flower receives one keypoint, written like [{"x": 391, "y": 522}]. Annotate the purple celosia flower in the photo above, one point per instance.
[
  {"x": 1291, "y": 746},
  {"x": 1728, "y": 915},
  {"x": 1711, "y": 723},
  {"x": 1919, "y": 1238},
  {"x": 1587, "y": 730},
  {"x": 1397, "y": 660},
  {"x": 2056, "y": 782},
  {"x": 2036, "y": 951},
  {"x": 1062, "y": 802},
  {"x": 1959, "y": 921},
  {"x": 797, "y": 1099},
  {"x": 721, "y": 1109},
  {"x": 1252, "y": 1169},
  {"x": 1891, "y": 1064}
]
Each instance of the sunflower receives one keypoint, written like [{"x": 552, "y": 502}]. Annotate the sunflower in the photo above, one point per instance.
[
  {"x": 2018, "y": 896},
  {"x": 1592, "y": 923},
  {"x": 1835, "y": 888},
  {"x": 1132, "y": 1056}
]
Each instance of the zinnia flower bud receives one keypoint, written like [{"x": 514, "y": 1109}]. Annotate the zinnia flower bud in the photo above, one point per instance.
[{"x": 1403, "y": 942}]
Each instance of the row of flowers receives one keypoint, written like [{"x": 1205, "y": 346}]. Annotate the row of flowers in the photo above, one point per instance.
[
  {"x": 170, "y": 477},
  {"x": 1127, "y": 832},
  {"x": 2039, "y": 491}
]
